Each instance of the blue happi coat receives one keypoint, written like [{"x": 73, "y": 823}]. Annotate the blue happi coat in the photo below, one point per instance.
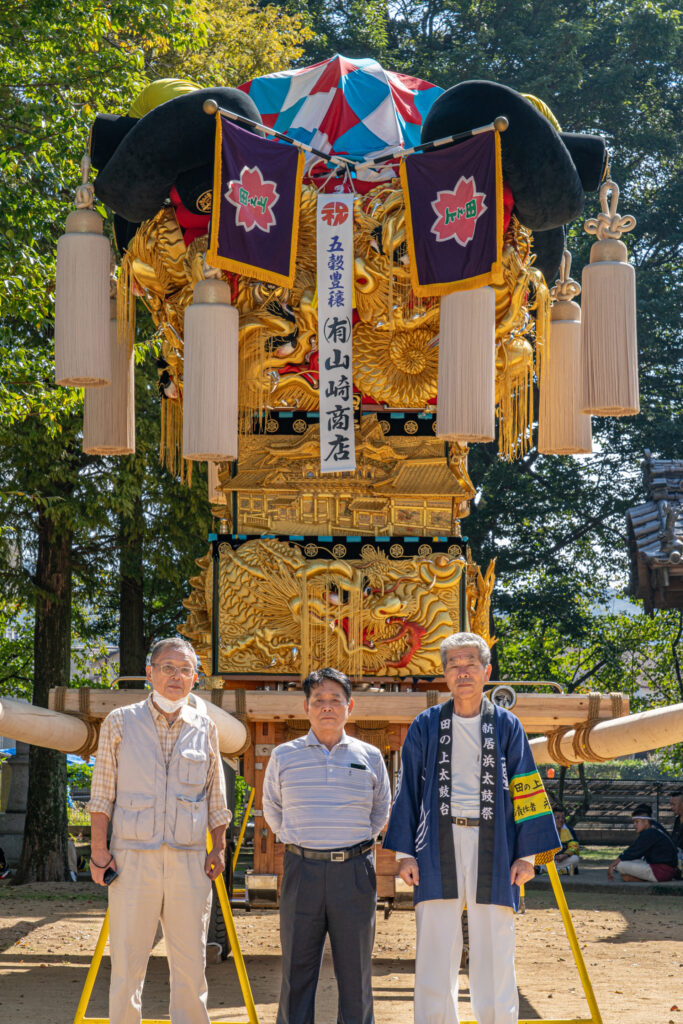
[{"x": 515, "y": 817}]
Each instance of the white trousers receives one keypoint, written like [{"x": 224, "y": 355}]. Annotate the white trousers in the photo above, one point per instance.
[
  {"x": 637, "y": 869},
  {"x": 493, "y": 987},
  {"x": 171, "y": 886},
  {"x": 572, "y": 861}
]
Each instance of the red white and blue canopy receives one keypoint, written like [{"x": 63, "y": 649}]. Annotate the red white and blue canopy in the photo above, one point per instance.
[{"x": 345, "y": 107}]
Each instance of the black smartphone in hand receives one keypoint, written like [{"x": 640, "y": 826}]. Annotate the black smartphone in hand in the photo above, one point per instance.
[{"x": 109, "y": 876}]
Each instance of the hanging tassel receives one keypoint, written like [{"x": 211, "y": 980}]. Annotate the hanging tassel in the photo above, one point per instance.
[
  {"x": 210, "y": 411},
  {"x": 170, "y": 452},
  {"x": 109, "y": 412},
  {"x": 125, "y": 298},
  {"x": 514, "y": 396},
  {"x": 466, "y": 389},
  {"x": 609, "y": 348},
  {"x": 217, "y": 495},
  {"x": 562, "y": 428},
  {"x": 82, "y": 350}
]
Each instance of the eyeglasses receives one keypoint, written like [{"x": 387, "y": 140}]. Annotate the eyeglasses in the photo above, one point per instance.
[
  {"x": 174, "y": 670},
  {"x": 334, "y": 702}
]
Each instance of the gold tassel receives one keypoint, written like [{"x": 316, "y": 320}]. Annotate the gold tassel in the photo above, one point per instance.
[
  {"x": 373, "y": 732},
  {"x": 170, "y": 455},
  {"x": 125, "y": 302},
  {"x": 305, "y": 628},
  {"x": 514, "y": 392}
]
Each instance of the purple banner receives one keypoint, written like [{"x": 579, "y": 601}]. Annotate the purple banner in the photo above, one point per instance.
[
  {"x": 454, "y": 215},
  {"x": 255, "y": 207}
]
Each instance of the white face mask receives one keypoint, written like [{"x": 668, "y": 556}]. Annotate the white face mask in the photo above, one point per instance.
[{"x": 169, "y": 706}]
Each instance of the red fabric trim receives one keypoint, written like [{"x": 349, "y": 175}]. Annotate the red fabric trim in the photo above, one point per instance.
[{"x": 508, "y": 205}]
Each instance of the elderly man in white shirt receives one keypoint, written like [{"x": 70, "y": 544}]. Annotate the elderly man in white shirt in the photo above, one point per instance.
[{"x": 326, "y": 796}]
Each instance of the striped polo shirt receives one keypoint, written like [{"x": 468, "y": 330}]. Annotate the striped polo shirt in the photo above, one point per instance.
[{"x": 326, "y": 799}]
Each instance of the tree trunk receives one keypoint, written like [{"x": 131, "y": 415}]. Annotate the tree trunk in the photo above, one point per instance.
[
  {"x": 44, "y": 851},
  {"x": 132, "y": 645}
]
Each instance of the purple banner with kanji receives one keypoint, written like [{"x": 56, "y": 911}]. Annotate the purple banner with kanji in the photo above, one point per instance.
[
  {"x": 255, "y": 206},
  {"x": 454, "y": 215}
]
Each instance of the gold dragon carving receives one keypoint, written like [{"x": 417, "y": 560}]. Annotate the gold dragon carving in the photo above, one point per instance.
[{"x": 280, "y": 612}]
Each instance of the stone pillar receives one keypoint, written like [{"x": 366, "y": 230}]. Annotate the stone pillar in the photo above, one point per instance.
[{"x": 12, "y": 821}]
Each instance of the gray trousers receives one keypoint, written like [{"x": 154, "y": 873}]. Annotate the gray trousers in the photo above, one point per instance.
[{"x": 320, "y": 898}]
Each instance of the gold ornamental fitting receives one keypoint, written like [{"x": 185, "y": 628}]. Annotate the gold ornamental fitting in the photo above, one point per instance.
[
  {"x": 501, "y": 123},
  {"x": 209, "y": 106}
]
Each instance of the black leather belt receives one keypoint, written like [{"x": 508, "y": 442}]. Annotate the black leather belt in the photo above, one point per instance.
[
  {"x": 333, "y": 855},
  {"x": 467, "y": 822}
]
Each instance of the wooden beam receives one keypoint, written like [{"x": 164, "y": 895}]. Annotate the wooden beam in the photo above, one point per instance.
[{"x": 538, "y": 712}]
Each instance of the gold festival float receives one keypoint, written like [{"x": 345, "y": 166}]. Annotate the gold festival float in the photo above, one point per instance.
[{"x": 334, "y": 375}]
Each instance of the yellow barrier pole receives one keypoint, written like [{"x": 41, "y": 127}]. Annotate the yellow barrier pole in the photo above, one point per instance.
[
  {"x": 574, "y": 943},
  {"x": 235, "y": 943},
  {"x": 92, "y": 971},
  {"x": 243, "y": 827}
]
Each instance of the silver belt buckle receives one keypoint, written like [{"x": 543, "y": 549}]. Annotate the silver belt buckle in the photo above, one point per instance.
[
  {"x": 461, "y": 821},
  {"x": 338, "y": 855}
]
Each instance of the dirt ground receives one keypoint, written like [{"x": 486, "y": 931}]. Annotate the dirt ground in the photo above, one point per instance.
[{"x": 632, "y": 942}]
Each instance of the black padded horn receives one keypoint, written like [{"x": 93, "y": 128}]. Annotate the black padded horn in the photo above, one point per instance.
[
  {"x": 549, "y": 247},
  {"x": 589, "y": 153},
  {"x": 172, "y": 139},
  {"x": 536, "y": 163}
]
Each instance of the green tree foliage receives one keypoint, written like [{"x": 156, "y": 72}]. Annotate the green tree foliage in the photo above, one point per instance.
[{"x": 62, "y": 514}]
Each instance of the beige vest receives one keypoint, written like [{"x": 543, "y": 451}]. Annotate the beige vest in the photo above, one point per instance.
[{"x": 156, "y": 804}]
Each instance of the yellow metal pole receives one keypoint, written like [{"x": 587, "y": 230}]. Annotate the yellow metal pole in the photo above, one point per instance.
[
  {"x": 574, "y": 942},
  {"x": 243, "y": 827},
  {"x": 235, "y": 943},
  {"x": 92, "y": 971}
]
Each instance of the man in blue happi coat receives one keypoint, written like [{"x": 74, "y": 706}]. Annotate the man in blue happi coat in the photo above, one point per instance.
[{"x": 469, "y": 816}]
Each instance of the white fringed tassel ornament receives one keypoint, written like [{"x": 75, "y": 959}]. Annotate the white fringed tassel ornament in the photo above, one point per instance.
[
  {"x": 562, "y": 428},
  {"x": 609, "y": 347},
  {"x": 109, "y": 412},
  {"x": 210, "y": 410},
  {"x": 465, "y": 405},
  {"x": 82, "y": 349},
  {"x": 216, "y": 493}
]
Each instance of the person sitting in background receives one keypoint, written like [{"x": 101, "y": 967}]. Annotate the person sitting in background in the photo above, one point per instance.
[
  {"x": 677, "y": 830},
  {"x": 651, "y": 857},
  {"x": 677, "y": 808},
  {"x": 567, "y": 860}
]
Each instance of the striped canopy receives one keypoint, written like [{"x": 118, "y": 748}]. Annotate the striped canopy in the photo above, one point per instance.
[{"x": 345, "y": 107}]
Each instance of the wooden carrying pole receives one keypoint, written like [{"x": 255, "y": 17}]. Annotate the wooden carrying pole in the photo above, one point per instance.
[
  {"x": 538, "y": 712},
  {"x": 43, "y": 728},
  {"x": 616, "y": 738},
  {"x": 69, "y": 733}
]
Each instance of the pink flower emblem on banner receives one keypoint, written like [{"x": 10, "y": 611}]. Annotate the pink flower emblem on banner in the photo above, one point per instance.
[
  {"x": 457, "y": 212},
  {"x": 254, "y": 199}
]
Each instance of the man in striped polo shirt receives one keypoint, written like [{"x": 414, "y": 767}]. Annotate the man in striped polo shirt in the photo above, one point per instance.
[{"x": 326, "y": 796}]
